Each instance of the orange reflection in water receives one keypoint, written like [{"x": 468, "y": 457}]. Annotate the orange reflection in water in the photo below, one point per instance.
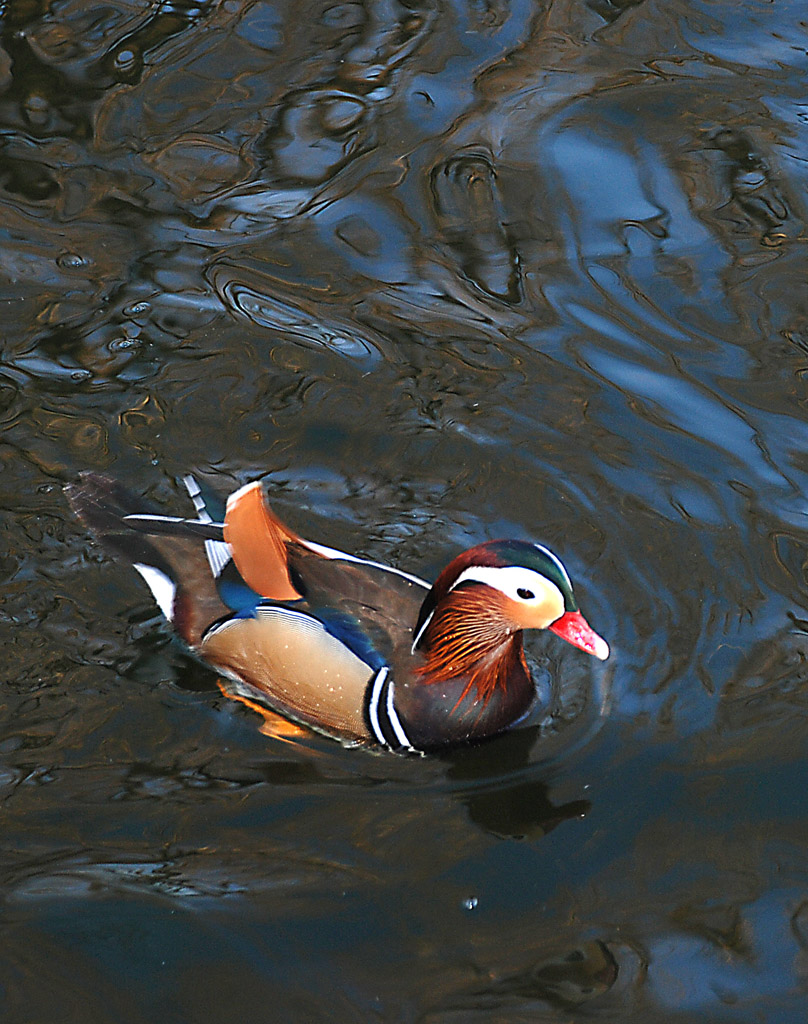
[{"x": 274, "y": 726}]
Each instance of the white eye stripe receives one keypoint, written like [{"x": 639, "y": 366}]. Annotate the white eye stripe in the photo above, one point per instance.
[
  {"x": 555, "y": 560},
  {"x": 509, "y": 580}
]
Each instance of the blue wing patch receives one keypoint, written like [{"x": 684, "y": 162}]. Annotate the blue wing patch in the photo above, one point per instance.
[
  {"x": 244, "y": 602},
  {"x": 347, "y": 630},
  {"x": 235, "y": 593}
]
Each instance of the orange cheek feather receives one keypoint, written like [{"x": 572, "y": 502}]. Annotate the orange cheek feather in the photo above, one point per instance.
[{"x": 536, "y": 615}]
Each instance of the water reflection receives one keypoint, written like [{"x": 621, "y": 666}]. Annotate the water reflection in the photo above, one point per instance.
[
  {"x": 468, "y": 209},
  {"x": 509, "y": 805},
  {"x": 270, "y": 311},
  {"x": 567, "y": 979}
]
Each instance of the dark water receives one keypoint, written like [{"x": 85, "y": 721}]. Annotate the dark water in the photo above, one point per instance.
[{"x": 445, "y": 271}]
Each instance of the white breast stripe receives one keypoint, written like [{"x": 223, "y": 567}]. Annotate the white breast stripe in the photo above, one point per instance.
[
  {"x": 395, "y": 721},
  {"x": 373, "y": 704},
  {"x": 162, "y": 588}
]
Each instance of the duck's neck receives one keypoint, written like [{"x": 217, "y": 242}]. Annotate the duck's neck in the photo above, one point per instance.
[{"x": 469, "y": 638}]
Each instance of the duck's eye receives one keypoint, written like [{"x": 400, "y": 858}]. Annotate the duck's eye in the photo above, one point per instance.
[{"x": 526, "y": 595}]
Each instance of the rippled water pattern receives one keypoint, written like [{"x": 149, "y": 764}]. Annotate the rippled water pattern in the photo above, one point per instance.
[{"x": 445, "y": 271}]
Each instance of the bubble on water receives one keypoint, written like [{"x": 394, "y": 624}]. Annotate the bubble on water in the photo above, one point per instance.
[
  {"x": 343, "y": 16},
  {"x": 470, "y": 903},
  {"x": 382, "y": 92},
  {"x": 122, "y": 344},
  {"x": 748, "y": 181},
  {"x": 268, "y": 311},
  {"x": 137, "y": 309},
  {"x": 125, "y": 59},
  {"x": 72, "y": 260},
  {"x": 341, "y": 113},
  {"x": 37, "y": 110}
]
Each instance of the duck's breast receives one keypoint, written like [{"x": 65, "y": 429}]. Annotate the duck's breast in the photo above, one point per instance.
[{"x": 299, "y": 668}]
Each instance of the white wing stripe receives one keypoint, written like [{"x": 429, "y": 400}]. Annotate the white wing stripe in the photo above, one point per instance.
[
  {"x": 192, "y": 487},
  {"x": 321, "y": 549},
  {"x": 218, "y": 555},
  {"x": 217, "y": 551}
]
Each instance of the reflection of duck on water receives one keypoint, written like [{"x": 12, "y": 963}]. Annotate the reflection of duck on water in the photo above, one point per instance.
[
  {"x": 568, "y": 978},
  {"x": 495, "y": 783},
  {"x": 565, "y": 978},
  {"x": 346, "y": 646}
]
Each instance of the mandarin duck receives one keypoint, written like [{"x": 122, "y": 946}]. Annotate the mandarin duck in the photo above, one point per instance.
[{"x": 351, "y": 648}]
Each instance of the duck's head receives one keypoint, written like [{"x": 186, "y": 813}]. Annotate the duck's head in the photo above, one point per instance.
[{"x": 483, "y": 599}]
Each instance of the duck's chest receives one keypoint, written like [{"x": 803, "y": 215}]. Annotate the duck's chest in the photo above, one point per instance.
[{"x": 436, "y": 713}]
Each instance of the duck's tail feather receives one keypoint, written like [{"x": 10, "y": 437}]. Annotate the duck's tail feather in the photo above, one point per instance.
[
  {"x": 175, "y": 525},
  {"x": 180, "y": 559}
]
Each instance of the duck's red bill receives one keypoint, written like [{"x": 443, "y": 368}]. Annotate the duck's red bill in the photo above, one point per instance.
[{"x": 574, "y": 628}]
